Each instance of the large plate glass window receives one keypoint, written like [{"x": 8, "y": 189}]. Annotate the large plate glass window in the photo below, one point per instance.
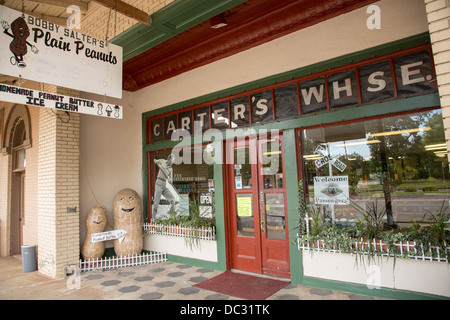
[
  {"x": 396, "y": 167},
  {"x": 181, "y": 184}
]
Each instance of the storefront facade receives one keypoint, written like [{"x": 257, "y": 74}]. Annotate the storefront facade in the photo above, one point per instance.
[
  {"x": 349, "y": 105},
  {"x": 276, "y": 130},
  {"x": 365, "y": 118}
]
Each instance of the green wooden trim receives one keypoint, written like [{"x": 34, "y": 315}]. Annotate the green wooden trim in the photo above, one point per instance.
[
  {"x": 300, "y": 72},
  {"x": 290, "y": 163},
  {"x": 327, "y": 117},
  {"x": 386, "y": 293},
  {"x": 168, "y": 22},
  {"x": 144, "y": 172},
  {"x": 196, "y": 262},
  {"x": 220, "y": 210}
]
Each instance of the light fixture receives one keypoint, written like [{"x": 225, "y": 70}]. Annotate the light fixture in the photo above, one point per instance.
[
  {"x": 358, "y": 143},
  {"x": 269, "y": 153},
  {"x": 436, "y": 146},
  {"x": 391, "y": 133},
  {"x": 312, "y": 156},
  {"x": 218, "y": 21},
  {"x": 441, "y": 154}
]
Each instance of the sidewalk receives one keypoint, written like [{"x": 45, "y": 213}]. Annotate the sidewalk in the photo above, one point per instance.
[{"x": 160, "y": 281}]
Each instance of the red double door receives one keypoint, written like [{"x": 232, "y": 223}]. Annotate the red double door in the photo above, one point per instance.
[{"x": 257, "y": 212}]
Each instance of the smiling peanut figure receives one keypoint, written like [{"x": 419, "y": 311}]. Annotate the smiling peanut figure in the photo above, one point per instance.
[
  {"x": 96, "y": 221},
  {"x": 127, "y": 214}
]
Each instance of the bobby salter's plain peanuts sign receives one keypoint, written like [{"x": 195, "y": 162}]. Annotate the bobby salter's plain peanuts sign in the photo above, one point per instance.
[
  {"x": 37, "y": 98},
  {"x": 38, "y": 50}
]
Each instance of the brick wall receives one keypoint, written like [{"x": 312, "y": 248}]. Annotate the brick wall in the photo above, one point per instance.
[
  {"x": 438, "y": 14},
  {"x": 58, "y": 159},
  {"x": 58, "y": 189},
  {"x": 30, "y": 234}
]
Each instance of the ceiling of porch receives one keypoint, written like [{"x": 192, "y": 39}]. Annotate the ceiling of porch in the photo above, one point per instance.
[
  {"x": 245, "y": 25},
  {"x": 185, "y": 34}
]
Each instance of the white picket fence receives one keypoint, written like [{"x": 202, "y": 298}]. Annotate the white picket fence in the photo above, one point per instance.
[
  {"x": 123, "y": 261},
  {"x": 179, "y": 231},
  {"x": 403, "y": 249}
]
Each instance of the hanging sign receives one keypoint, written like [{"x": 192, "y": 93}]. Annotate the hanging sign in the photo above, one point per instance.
[
  {"x": 331, "y": 190},
  {"x": 38, "y": 50},
  {"x": 37, "y": 98},
  {"x": 109, "y": 235},
  {"x": 326, "y": 158},
  {"x": 205, "y": 204}
]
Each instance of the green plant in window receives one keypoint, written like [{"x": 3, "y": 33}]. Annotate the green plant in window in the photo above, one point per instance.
[
  {"x": 301, "y": 209},
  {"x": 373, "y": 219},
  {"x": 318, "y": 223},
  {"x": 195, "y": 222},
  {"x": 439, "y": 223},
  {"x": 309, "y": 213}
]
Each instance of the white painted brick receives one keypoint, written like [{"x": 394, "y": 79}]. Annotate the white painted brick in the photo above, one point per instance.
[{"x": 436, "y": 5}]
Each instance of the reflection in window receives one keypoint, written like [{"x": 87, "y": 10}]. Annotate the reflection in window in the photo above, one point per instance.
[
  {"x": 275, "y": 216},
  {"x": 242, "y": 167},
  {"x": 399, "y": 163},
  {"x": 19, "y": 153},
  {"x": 272, "y": 170},
  {"x": 182, "y": 185}
]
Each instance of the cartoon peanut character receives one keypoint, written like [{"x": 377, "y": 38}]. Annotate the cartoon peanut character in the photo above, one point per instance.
[
  {"x": 127, "y": 214},
  {"x": 96, "y": 221},
  {"x": 18, "y": 46}
]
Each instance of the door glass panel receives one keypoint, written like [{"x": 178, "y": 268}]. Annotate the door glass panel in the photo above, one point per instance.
[
  {"x": 244, "y": 212},
  {"x": 272, "y": 165},
  {"x": 20, "y": 161},
  {"x": 242, "y": 168},
  {"x": 275, "y": 216}
]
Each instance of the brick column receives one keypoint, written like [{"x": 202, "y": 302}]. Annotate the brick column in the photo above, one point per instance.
[
  {"x": 58, "y": 190},
  {"x": 438, "y": 14}
]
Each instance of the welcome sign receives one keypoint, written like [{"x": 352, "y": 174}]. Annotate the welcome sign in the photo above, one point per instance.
[
  {"x": 38, "y": 50},
  {"x": 331, "y": 190}
]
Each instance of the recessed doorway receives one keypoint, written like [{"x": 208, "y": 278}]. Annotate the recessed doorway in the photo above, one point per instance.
[
  {"x": 18, "y": 153},
  {"x": 257, "y": 215}
]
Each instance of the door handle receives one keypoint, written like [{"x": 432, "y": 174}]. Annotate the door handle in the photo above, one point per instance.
[
  {"x": 263, "y": 226},
  {"x": 261, "y": 197}
]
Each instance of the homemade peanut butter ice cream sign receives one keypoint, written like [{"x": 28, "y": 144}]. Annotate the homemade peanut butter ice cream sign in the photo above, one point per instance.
[
  {"x": 38, "y": 50},
  {"x": 60, "y": 102},
  {"x": 127, "y": 215},
  {"x": 96, "y": 221}
]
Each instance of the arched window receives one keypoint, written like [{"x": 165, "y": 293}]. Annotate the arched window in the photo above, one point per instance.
[
  {"x": 18, "y": 120},
  {"x": 19, "y": 146}
]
